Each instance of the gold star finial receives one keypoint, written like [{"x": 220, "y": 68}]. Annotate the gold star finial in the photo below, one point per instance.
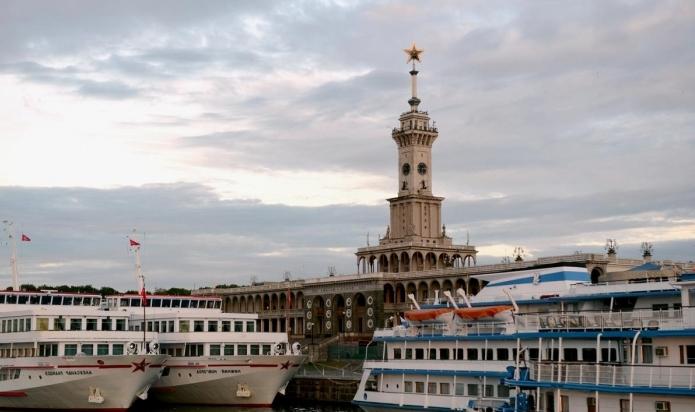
[{"x": 413, "y": 53}]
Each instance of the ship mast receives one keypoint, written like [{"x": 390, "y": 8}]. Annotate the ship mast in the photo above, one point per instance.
[{"x": 135, "y": 246}]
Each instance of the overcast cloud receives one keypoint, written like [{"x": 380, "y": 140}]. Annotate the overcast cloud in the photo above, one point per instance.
[{"x": 250, "y": 138}]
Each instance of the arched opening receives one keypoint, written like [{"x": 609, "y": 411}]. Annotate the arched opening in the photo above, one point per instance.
[
  {"x": 473, "y": 287},
  {"x": 405, "y": 262},
  {"x": 299, "y": 301},
  {"x": 423, "y": 292},
  {"x": 400, "y": 293},
  {"x": 411, "y": 289},
  {"x": 383, "y": 263},
  {"x": 457, "y": 261},
  {"x": 461, "y": 284},
  {"x": 393, "y": 263},
  {"x": 430, "y": 261},
  {"x": 228, "y": 304},
  {"x": 259, "y": 303},
  {"x": 235, "y": 304},
  {"x": 444, "y": 261},
  {"x": 372, "y": 263},
  {"x": 242, "y": 304},
  {"x": 249, "y": 304},
  {"x": 418, "y": 262},
  {"x": 596, "y": 275},
  {"x": 435, "y": 290},
  {"x": 447, "y": 285},
  {"x": 274, "y": 302},
  {"x": 318, "y": 318},
  {"x": 339, "y": 312},
  {"x": 389, "y": 294},
  {"x": 360, "y": 313},
  {"x": 283, "y": 301},
  {"x": 266, "y": 303}
]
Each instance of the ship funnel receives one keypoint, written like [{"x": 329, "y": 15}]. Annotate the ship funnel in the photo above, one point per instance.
[
  {"x": 412, "y": 299},
  {"x": 462, "y": 293}
]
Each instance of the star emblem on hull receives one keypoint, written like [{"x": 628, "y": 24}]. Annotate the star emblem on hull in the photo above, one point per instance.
[
  {"x": 139, "y": 366},
  {"x": 285, "y": 365}
]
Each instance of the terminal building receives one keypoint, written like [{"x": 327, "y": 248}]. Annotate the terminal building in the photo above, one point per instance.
[{"x": 416, "y": 256}]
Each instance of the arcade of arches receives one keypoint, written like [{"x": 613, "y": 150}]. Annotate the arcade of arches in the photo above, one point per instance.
[{"x": 413, "y": 261}]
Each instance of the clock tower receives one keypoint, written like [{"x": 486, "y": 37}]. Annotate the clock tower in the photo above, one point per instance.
[{"x": 415, "y": 238}]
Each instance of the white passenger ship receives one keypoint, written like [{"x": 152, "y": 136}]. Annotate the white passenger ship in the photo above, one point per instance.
[
  {"x": 61, "y": 351},
  {"x": 542, "y": 340},
  {"x": 216, "y": 358}
]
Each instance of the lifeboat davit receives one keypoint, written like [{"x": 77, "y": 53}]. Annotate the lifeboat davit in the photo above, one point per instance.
[
  {"x": 489, "y": 313},
  {"x": 442, "y": 315}
]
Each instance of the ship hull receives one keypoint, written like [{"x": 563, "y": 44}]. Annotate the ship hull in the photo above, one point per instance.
[
  {"x": 221, "y": 381},
  {"x": 79, "y": 383}
]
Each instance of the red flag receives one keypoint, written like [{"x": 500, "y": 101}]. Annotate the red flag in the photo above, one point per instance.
[
  {"x": 133, "y": 243},
  {"x": 25, "y": 238},
  {"x": 143, "y": 295}
]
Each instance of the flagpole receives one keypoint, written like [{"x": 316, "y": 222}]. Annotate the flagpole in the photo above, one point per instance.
[
  {"x": 143, "y": 296},
  {"x": 9, "y": 228}
]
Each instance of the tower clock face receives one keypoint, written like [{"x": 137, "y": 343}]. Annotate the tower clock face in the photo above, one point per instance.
[
  {"x": 406, "y": 169},
  {"x": 422, "y": 168}
]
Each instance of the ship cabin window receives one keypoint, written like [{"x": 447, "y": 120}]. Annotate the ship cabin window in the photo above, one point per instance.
[
  {"x": 472, "y": 389},
  {"x": 265, "y": 349},
  {"x": 45, "y": 300},
  {"x": 589, "y": 354},
  {"x": 662, "y": 406},
  {"x": 184, "y": 326},
  {"x": 409, "y": 353},
  {"x": 156, "y": 303},
  {"x": 370, "y": 385},
  {"x": 218, "y": 304},
  {"x": 87, "y": 349},
  {"x": 166, "y": 303},
  {"x": 647, "y": 350},
  {"x": 212, "y": 326},
  {"x": 67, "y": 300},
  {"x": 659, "y": 307},
  {"x": 57, "y": 300},
  {"x": 419, "y": 353},
  {"x": 185, "y": 303},
  {"x": 570, "y": 355},
  {"x": 42, "y": 324},
  {"x": 242, "y": 350},
  {"x": 255, "y": 350},
  {"x": 87, "y": 301},
  {"x": 198, "y": 326},
  {"x": 610, "y": 356},
  {"x": 103, "y": 349},
  {"x": 459, "y": 354},
  {"x": 419, "y": 387},
  {"x": 75, "y": 324},
  {"x": 489, "y": 391},
  {"x": 624, "y": 405},
  {"x": 228, "y": 350},
  {"x": 214, "y": 350},
  {"x": 120, "y": 324},
  {"x": 488, "y": 354},
  {"x": 77, "y": 300},
  {"x": 2, "y": 298},
  {"x": 502, "y": 354},
  {"x": 195, "y": 349},
  {"x": 226, "y": 326},
  {"x": 176, "y": 303},
  {"x": 408, "y": 387},
  {"x": 250, "y": 326},
  {"x": 533, "y": 354},
  {"x": 687, "y": 354},
  {"x": 444, "y": 354},
  {"x": 70, "y": 349},
  {"x": 432, "y": 388},
  {"x": 9, "y": 373},
  {"x": 502, "y": 391},
  {"x": 444, "y": 388},
  {"x": 48, "y": 349},
  {"x": 472, "y": 353},
  {"x": 433, "y": 354},
  {"x": 135, "y": 303},
  {"x": 171, "y": 325},
  {"x": 59, "y": 323},
  {"x": 34, "y": 299},
  {"x": 124, "y": 303},
  {"x": 106, "y": 324},
  {"x": 460, "y": 389},
  {"x": 117, "y": 349},
  {"x": 396, "y": 353},
  {"x": 238, "y": 326},
  {"x": 23, "y": 299},
  {"x": 194, "y": 304}
]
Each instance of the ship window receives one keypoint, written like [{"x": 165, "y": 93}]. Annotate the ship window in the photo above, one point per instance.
[
  {"x": 2, "y": 298},
  {"x": 166, "y": 303},
  {"x": 103, "y": 349},
  {"x": 444, "y": 354},
  {"x": 214, "y": 350},
  {"x": 591, "y": 404},
  {"x": 75, "y": 324},
  {"x": 42, "y": 324},
  {"x": 23, "y": 299},
  {"x": 419, "y": 387},
  {"x": 48, "y": 349},
  {"x": 502, "y": 391},
  {"x": 86, "y": 301},
  {"x": 45, "y": 300},
  {"x": 135, "y": 302},
  {"x": 175, "y": 303},
  {"x": 533, "y": 354},
  {"x": 70, "y": 349},
  {"x": 185, "y": 303},
  {"x": 255, "y": 349},
  {"x": 87, "y": 349},
  {"x": 156, "y": 303},
  {"x": 184, "y": 326},
  {"x": 647, "y": 351},
  {"x": 396, "y": 353},
  {"x": 662, "y": 406},
  {"x": 613, "y": 355},
  {"x": 212, "y": 326},
  {"x": 194, "y": 304},
  {"x": 59, "y": 323},
  {"x": 120, "y": 324},
  {"x": 77, "y": 301},
  {"x": 419, "y": 353},
  {"x": 149, "y": 326},
  {"x": 659, "y": 307},
  {"x": 589, "y": 355},
  {"x": 472, "y": 353},
  {"x": 238, "y": 326},
  {"x": 502, "y": 354},
  {"x": 91, "y": 324},
  {"x": 171, "y": 326},
  {"x": 117, "y": 349},
  {"x": 488, "y": 354},
  {"x": 460, "y": 389},
  {"x": 213, "y": 305},
  {"x": 690, "y": 354},
  {"x": 56, "y": 300},
  {"x": 408, "y": 387},
  {"x": 472, "y": 389},
  {"x": 226, "y": 326},
  {"x": 432, "y": 388},
  {"x": 242, "y": 349},
  {"x": 409, "y": 353},
  {"x": 13, "y": 299},
  {"x": 9, "y": 373},
  {"x": 67, "y": 300},
  {"x": 228, "y": 350},
  {"x": 33, "y": 299},
  {"x": 433, "y": 354},
  {"x": 106, "y": 324},
  {"x": 624, "y": 405},
  {"x": 459, "y": 354},
  {"x": 370, "y": 385},
  {"x": 195, "y": 349},
  {"x": 198, "y": 326},
  {"x": 266, "y": 349},
  {"x": 489, "y": 391},
  {"x": 250, "y": 326},
  {"x": 124, "y": 302},
  {"x": 444, "y": 388},
  {"x": 27, "y": 322},
  {"x": 570, "y": 354}
]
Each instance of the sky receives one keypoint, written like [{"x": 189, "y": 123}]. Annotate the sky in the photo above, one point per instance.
[{"x": 248, "y": 139}]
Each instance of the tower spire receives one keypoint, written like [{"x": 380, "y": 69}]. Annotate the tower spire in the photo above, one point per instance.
[{"x": 413, "y": 55}]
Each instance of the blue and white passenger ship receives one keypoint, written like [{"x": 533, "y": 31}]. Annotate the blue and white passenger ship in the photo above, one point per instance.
[{"x": 542, "y": 340}]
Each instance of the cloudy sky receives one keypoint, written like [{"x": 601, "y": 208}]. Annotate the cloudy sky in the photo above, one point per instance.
[{"x": 253, "y": 138}]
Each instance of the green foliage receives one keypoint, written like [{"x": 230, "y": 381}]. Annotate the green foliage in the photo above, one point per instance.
[{"x": 172, "y": 291}]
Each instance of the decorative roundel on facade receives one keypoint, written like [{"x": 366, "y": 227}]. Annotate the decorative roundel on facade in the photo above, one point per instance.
[
  {"x": 328, "y": 313},
  {"x": 308, "y": 304},
  {"x": 348, "y": 302},
  {"x": 348, "y": 324},
  {"x": 348, "y": 313},
  {"x": 328, "y": 325},
  {"x": 370, "y": 312},
  {"x": 309, "y": 326},
  {"x": 370, "y": 323},
  {"x": 308, "y": 315},
  {"x": 370, "y": 300},
  {"x": 328, "y": 302}
]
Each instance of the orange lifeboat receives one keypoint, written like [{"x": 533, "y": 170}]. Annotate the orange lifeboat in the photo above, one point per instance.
[
  {"x": 485, "y": 313},
  {"x": 442, "y": 315}
]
